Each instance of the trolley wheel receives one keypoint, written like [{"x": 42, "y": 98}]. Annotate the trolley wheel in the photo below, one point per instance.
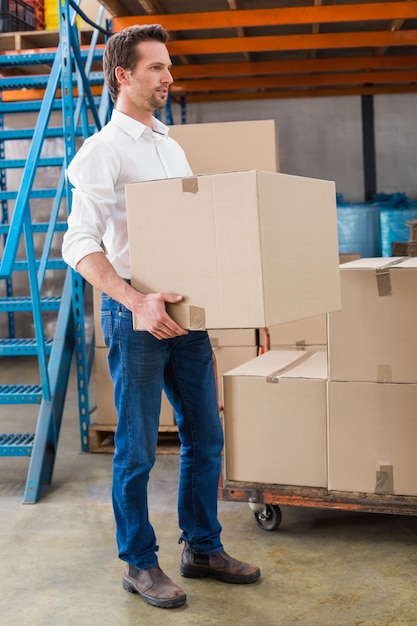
[{"x": 270, "y": 518}]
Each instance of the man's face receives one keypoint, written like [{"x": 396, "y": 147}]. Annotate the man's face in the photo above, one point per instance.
[{"x": 147, "y": 85}]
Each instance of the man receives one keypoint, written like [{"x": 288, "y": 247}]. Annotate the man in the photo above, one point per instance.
[{"x": 134, "y": 146}]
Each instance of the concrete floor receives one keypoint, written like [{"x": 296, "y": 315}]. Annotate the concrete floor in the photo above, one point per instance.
[{"x": 59, "y": 566}]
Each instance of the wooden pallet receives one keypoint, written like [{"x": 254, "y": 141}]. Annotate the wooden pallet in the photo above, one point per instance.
[
  {"x": 37, "y": 39},
  {"x": 101, "y": 439}
]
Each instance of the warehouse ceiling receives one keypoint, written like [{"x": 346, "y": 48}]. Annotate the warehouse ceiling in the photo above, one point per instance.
[{"x": 250, "y": 49}]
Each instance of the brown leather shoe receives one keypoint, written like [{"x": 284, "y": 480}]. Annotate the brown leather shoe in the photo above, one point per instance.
[
  {"x": 221, "y": 566},
  {"x": 153, "y": 586}
]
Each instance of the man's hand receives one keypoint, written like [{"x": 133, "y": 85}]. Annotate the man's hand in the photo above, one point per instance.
[
  {"x": 151, "y": 311},
  {"x": 150, "y": 308}
]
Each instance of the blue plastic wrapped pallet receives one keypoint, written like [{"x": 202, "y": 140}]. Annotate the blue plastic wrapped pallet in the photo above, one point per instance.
[
  {"x": 358, "y": 228},
  {"x": 395, "y": 210}
]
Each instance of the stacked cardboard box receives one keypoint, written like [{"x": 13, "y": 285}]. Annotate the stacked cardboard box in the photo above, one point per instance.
[
  {"x": 373, "y": 379},
  {"x": 230, "y": 349},
  {"x": 219, "y": 147},
  {"x": 276, "y": 420},
  {"x": 277, "y": 433},
  {"x": 308, "y": 334},
  {"x": 370, "y": 423}
]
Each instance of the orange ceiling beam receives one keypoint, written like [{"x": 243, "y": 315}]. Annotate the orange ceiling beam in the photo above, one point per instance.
[
  {"x": 270, "y": 17},
  {"x": 302, "y": 93},
  {"x": 285, "y": 80},
  {"x": 293, "y": 67},
  {"x": 293, "y": 42}
]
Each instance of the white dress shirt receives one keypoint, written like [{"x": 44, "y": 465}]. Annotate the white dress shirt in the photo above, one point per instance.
[{"x": 124, "y": 151}]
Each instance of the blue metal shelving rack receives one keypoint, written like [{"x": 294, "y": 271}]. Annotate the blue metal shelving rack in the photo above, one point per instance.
[{"x": 82, "y": 114}]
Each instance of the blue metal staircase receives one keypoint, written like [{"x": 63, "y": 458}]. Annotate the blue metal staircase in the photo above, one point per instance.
[{"x": 28, "y": 241}]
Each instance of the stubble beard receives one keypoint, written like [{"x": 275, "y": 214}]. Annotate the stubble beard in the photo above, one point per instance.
[{"x": 158, "y": 102}]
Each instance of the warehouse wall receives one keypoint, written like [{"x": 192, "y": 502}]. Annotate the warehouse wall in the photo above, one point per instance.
[
  {"x": 396, "y": 143},
  {"x": 322, "y": 137}
]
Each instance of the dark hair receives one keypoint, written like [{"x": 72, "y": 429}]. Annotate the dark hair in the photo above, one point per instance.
[{"x": 122, "y": 50}]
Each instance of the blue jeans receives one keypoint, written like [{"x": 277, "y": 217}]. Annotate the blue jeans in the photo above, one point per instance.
[{"x": 141, "y": 366}]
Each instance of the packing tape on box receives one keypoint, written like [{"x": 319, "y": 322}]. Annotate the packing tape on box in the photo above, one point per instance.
[
  {"x": 300, "y": 345},
  {"x": 383, "y": 277},
  {"x": 190, "y": 185},
  {"x": 197, "y": 318},
  {"x": 385, "y": 480},
  {"x": 275, "y": 376},
  {"x": 383, "y": 282}
]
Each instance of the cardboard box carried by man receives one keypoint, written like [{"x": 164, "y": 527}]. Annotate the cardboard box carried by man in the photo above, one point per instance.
[{"x": 248, "y": 249}]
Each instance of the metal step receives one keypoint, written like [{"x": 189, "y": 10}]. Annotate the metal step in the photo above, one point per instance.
[
  {"x": 27, "y": 133},
  {"x": 48, "y": 303},
  {"x": 20, "y": 163},
  {"x": 26, "y": 106},
  {"x": 39, "y": 227},
  {"x": 35, "y": 193},
  {"x": 20, "y": 394},
  {"x": 20, "y": 57},
  {"x": 20, "y": 347},
  {"x": 16, "y": 445},
  {"x": 52, "y": 264},
  {"x": 40, "y": 81}
]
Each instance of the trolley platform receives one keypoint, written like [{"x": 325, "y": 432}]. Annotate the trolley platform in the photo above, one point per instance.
[{"x": 265, "y": 500}]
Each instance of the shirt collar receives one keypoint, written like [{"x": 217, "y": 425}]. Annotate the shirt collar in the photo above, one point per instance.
[{"x": 134, "y": 128}]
